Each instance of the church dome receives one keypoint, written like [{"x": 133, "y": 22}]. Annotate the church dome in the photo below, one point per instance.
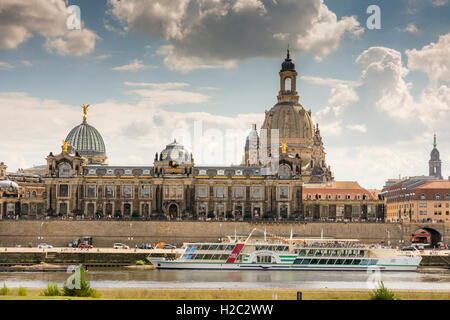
[
  {"x": 175, "y": 152},
  {"x": 86, "y": 140},
  {"x": 290, "y": 119}
]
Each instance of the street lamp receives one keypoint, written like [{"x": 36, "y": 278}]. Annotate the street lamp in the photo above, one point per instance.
[
  {"x": 40, "y": 232},
  {"x": 130, "y": 237}
]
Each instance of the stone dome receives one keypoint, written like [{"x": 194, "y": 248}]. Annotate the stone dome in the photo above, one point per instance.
[
  {"x": 291, "y": 119},
  {"x": 86, "y": 140},
  {"x": 175, "y": 152},
  {"x": 8, "y": 184}
]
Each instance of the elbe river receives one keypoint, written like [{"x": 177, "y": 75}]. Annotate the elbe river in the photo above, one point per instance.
[{"x": 192, "y": 279}]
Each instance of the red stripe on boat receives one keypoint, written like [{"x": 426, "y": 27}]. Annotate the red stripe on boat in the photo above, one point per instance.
[{"x": 233, "y": 256}]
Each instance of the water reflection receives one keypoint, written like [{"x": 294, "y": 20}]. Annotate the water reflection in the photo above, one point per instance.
[{"x": 234, "y": 279}]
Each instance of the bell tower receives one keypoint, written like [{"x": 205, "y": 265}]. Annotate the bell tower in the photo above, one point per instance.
[
  {"x": 288, "y": 82},
  {"x": 435, "y": 162}
]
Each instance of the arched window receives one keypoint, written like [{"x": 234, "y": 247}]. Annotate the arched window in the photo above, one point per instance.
[
  {"x": 288, "y": 84},
  {"x": 64, "y": 170},
  {"x": 33, "y": 194}
]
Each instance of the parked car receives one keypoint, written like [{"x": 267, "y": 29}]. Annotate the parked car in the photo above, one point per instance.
[
  {"x": 120, "y": 246},
  {"x": 85, "y": 245},
  {"x": 44, "y": 246},
  {"x": 409, "y": 248},
  {"x": 145, "y": 246}
]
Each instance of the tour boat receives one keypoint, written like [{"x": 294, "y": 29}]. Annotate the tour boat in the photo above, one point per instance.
[{"x": 290, "y": 254}]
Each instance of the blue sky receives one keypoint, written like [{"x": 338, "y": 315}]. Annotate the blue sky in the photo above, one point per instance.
[{"x": 225, "y": 72}]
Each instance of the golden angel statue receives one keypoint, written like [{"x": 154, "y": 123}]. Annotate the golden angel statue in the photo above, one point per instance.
[
  {"x": 65, "y": 146},
  {"x": 85, "y": 110}
]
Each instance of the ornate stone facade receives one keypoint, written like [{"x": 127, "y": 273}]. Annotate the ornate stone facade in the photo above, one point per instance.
[{"x": 77, "y": 181}]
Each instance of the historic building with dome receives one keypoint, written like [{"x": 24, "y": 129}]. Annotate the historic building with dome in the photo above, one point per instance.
[{"x": 79, "y": 182}]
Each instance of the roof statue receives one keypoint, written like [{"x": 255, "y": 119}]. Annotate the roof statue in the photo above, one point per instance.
[
  {"x": 85, "y": 110},
  {"x": 65, "y": 146}
]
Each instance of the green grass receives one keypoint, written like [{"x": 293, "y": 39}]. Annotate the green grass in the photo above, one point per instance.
[{"x": 228, "y": 294}]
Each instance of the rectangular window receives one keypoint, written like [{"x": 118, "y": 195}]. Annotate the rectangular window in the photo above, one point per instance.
[
  {"x": 146, "y": 191},
  {"x": 91, "y": 191},
  {"x": 109, "y": 191},
  {"x": 220, "y": 209},
  {"x": 202, "y": 191},
  {"x": 63, "y": 190},
  {"x": 284, "y": 192},
  {"x": 127, "y": 191},
  {"x": 220, "y": 191},
  {"x": 238, "y": 192},
  {"x": 174, "y": 192},
  {"x": 202, "y": 209},
  {"x": 257, "y": 192}
]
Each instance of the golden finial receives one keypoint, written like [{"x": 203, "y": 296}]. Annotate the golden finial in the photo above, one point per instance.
[
  {"x": 65, "y": 146},
  {"x": 283, "y": 148},
  {"x": 85, "y": 110}
]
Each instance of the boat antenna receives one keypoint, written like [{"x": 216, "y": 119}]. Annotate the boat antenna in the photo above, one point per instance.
[
  {"x": 249, "y": 235},
  {"x": 265, "y": 234}
]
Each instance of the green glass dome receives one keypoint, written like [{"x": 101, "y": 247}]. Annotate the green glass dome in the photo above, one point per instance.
[{"x": 86, "y": 140}]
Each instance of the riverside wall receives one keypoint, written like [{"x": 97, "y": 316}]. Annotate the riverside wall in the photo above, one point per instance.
[{"x": 106, "y": 233}]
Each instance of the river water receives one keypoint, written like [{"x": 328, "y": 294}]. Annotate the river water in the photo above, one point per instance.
[{"x": 184, "y": 279}]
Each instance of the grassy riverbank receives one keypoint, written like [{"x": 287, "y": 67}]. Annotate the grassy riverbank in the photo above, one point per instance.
[{"x": 239, "y": 294}]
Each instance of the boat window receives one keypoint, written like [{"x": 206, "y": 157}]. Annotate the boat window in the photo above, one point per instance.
[
  {"x": 348, "y": 261},
  {"x": 364, "y": 262},
  {"x": 356, "y": 261},
  {"x": 314, "y": 261},
  {"x": 340, "y": 261},
  {"x": 373, "y": 261},
  {"x": 306, "y": 261},
  {"x": 311, "y": 252},
  {"x": 323, "y": 261},
  {"x": 330, "y": 261}
]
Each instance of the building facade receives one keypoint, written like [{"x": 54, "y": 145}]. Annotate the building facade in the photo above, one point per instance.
[{"x": 78, "y": 181}]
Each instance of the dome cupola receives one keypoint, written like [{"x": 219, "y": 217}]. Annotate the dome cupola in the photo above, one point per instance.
[
  {"x": 176, "y": 153},
  {"x": 85, "y": 140}
]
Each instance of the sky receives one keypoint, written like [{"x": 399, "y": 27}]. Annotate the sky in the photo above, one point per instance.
[{"x": 153, "y": 70}]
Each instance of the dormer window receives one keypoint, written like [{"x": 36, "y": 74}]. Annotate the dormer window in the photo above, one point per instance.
[{"x": 348, "y": 197}]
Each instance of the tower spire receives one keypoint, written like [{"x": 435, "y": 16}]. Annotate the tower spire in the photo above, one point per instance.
[
  {"x": 434, "y": 142},
  {"x": 288, "y": 52}
]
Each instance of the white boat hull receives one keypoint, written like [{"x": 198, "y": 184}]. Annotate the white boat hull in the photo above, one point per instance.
[{"x": 178, "y": 265}]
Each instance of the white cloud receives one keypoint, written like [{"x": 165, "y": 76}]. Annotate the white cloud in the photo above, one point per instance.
[
  {"x": 411, "y": 28},
  {"x": 439, "y": 3},
  {"x": 103, "y": 56},
  {"x": 73, "y": 43},
  {"x": 167, "y": 97},
  {"x": 20, "y": 20},
  {"x": 374, "y": 128},
  {"x": 433, "y": 59},
  {"x": 6, "y": 65},
  {"x": 26, "y": 63},
  {"x": 140, "y": 130},
  {"x": 165, "y": 86},
  {"x": 134, "y": 66},
  {"x": 219, "y": 33},
  {"x": 327, "y": 81}
]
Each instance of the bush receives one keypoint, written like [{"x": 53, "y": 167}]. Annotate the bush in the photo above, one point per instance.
[
  {"x": 140, "y": 262},
  {"x": 5, "y": 290},
  {"x": 74, "y": 287},
  {"x": 22, "y": 292},
  {"x": 118, "y": 214},
  {"x": 382, "y": 293},
  {"x": 51, "y": 291},
  {"x": 229, "y": 216},
  {"x": 135, "y": 214},
  {"x": 211, "y": 215},
  {"x": 247, "y": 216}
]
